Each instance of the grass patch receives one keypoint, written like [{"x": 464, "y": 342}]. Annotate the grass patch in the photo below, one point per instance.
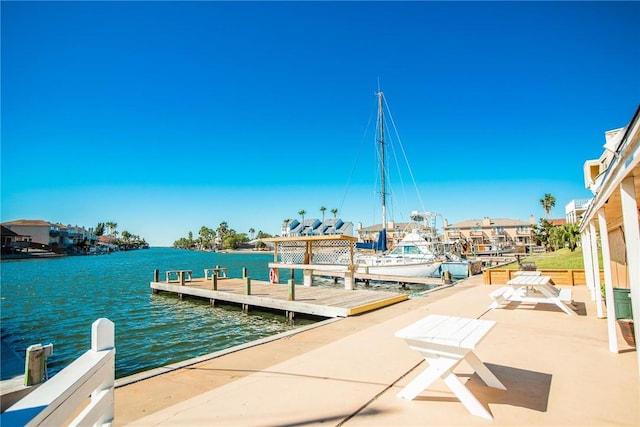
[{"x": 562, "y": 259}]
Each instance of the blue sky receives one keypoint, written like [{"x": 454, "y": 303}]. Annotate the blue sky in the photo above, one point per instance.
[{"x": 166, "y": 116}]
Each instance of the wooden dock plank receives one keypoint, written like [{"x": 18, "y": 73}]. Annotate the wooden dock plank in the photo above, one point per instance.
[{"x": 314, "y": 300}]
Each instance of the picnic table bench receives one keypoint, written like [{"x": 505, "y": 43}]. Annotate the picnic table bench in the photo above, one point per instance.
[
  {"x": 444, "y": 342},
  {"x": 528, "y": 273},
  {"x": 533, "y": 289}
]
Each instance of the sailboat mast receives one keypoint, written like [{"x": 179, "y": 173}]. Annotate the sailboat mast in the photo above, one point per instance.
[{"x": 382, "y": 168}]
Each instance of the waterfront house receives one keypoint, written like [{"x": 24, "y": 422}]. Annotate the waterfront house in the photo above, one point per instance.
[
  {"x": 55, "y": 237},
  {"x": 396, "y": 231},
  {"x": 491, "y": 232},
  {"x": 8, "y": 239},
  {"x": 611, "y": 224},
  {"x": 316, "y": 227},
  {"x": 575, "y": 209},
  {"x": 34, "y": 230}
]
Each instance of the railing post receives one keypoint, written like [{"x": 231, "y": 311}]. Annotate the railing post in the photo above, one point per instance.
[
  {"x": 103, "y": 338},
  {"x": 102, "y": 335}
]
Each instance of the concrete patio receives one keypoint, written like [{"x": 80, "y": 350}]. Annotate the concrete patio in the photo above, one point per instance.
[{"x": 557, "y": 370}]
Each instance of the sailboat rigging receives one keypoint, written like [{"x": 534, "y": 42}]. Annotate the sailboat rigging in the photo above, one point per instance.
[{"x": 413, "y": 256}]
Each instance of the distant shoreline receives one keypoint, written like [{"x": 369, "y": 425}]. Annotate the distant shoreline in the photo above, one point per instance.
[
  {"x": 224, "y": 251},
  {"x": 242, "y": 251}
]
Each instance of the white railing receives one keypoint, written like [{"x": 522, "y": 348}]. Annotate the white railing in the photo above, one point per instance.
[{"x": 58, "y": 399}]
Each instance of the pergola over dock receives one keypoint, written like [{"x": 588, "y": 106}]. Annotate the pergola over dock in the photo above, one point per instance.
[{"x": 320, "y": 253}]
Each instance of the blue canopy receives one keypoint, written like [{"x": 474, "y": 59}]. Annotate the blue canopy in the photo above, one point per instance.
[
  {"x": 364, "y": 245},
  {"x": 381, "y": 244}
]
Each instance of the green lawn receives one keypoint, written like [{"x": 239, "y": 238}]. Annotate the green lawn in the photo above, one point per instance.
[{"x": 561, "y": 259}]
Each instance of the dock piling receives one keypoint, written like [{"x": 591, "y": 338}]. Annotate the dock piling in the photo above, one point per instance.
[
  {"x": 247, "y": 286},
  {"x": 348, "y": 280},
  {"x": 292, "y": 290},
  {"x": 214, "y": 280}
]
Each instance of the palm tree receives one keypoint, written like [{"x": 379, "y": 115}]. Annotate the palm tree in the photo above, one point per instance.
[
  {"x": 126, "y": 239},
  {"x": 334, "y": 211},
  {"x": 251, "y": 231},
  {"x": 547, "y": 203},
  {"x": 286, "y": 227},
  {"x": 573, "y": 235},
  {"x": 322, "y": 209},
  {"x": 99, "y": 231},
  {"x": 111, "y": 226},
  {"x": 301, "y": 213},
  {"x": 568, "y": 235},
  {"x": 207, "y": 236}
]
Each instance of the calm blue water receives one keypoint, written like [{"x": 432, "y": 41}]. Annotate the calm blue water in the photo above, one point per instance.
[{"x": 55, "y": 301}]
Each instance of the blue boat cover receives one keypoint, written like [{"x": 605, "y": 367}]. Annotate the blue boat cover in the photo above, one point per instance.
[
  {"x": 381, "y": 244},
  {"x": 364, "y": 245}
]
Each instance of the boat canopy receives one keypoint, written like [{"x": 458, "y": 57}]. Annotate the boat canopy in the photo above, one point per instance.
[{"x": 381, "y": 243}]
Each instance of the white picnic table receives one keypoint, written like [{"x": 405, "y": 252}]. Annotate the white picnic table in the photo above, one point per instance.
[
  {"x": 444, "y": 342},
  {"x": 528, "y": 273},
  {"x": 532, "y": 289}
]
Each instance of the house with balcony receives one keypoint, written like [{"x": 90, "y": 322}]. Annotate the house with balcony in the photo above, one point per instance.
[
  {"x": 76, "y": 237},
  {"x": 490, "y": 233},
  {"x": 575, "y": 209},
  {"x": 55, "y": 237},
  {"x": 396, "y": 231}
]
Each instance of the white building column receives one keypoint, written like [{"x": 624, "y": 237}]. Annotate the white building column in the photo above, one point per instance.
[
  {"x": 595, "y": 271},
  {"x": 632, "y": 244},
  {"x": 588, "y": 262},
  {"x": 608, "y": 282}
]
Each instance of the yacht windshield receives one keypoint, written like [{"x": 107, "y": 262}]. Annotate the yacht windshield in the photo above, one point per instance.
[{"x": 405, "y": 250}]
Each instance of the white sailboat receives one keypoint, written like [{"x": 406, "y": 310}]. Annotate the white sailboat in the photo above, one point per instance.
[{"x": 414, "y": 255}]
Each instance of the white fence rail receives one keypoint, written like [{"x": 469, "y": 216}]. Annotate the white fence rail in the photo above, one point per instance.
[{"x": 60, "y": 398}]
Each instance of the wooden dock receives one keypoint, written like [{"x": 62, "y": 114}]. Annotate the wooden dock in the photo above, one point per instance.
[
  {"x": 311, "y": 300},
  {"x": 435, "y": 281}
]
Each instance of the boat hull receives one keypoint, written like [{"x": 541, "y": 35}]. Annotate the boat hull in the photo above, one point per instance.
[{"x": 426, "y": 269}]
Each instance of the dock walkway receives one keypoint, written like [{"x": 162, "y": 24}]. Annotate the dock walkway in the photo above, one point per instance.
[
  {"x": 556, "y": 368},
  {"x": 313, "y": 300}
]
